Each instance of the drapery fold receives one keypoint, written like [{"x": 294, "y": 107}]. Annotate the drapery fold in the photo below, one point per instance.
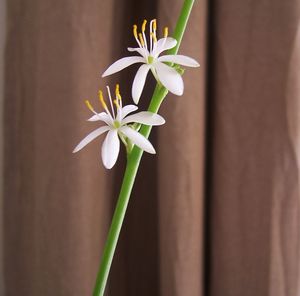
[
  {"x": 219, "y": 201},
  {"x": 255, "y": 183},
  {"x": 181, "y": 162},
  {"x": 53, "y": 202}
]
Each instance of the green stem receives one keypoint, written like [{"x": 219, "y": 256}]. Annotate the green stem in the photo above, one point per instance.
[{"x": 132, "y": 166}]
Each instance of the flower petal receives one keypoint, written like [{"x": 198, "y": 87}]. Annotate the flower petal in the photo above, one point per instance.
[
  {"x": 145, "y": 117},
  {"x": 180, "y": 60},
  {"x": 169, "y": 78},
  {"x": 137, "y": 139},
  {"x": 90, "y": 137},
  {"x": 139, "y": 82},
  {"x": 125, "y": 111},
  {"x": 103, "y": 116},
  {"x": 142, "y": 51},
  {"x": 110, "y": 149},
  {"x": 163, "y": 44},
  {"x": 121, "y": 64}
]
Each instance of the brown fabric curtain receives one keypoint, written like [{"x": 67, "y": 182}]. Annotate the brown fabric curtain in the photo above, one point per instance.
[
  {"x": 254, "y": 183},
  {"x": 214, "y": 213}
]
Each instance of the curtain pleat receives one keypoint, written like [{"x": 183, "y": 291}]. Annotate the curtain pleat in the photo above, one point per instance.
[
  {"x": 254, "y": 198},
  {"x": 56, "y": 203},
  {"x": 181, "y": 166}
]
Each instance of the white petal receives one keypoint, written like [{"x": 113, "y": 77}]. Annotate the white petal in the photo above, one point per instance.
[
  {"x": 90, "y": 137},
  {"x": 139, "y": 82},
  {"x": 121, "y": 64},
  {"x": 180, "y": 60},
  {"x": 145, "y": 117},
  {"x": 110, "y": 149},
  {"x": 169, "y": 78},
  {"x": 103, "y": 116},
  {"x": 125, "y": 111},
  {"x": 163, "y": 44},
  {"x": 137, "y": 139},
  {"x": 142, "y": 51}
]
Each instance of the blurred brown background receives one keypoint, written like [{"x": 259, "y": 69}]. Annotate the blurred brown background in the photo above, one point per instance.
[
  {"x": 214, "y": 213},
  {"x": 2, "y": 46}
]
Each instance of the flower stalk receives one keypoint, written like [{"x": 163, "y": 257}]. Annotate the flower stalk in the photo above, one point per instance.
[{"x": 133, "y": 161}]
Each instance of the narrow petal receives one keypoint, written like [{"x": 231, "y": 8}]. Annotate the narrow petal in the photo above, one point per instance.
[
  {"x": 125, "y": 111},
  {"x": 163, "y": 44},
  {"x": 139, "y": 82},
  {"x": 121, "y": 64},
  {"x": 169, "y": 78},
  {"x": 145, "y": 117},
  {"x": 103, "y": 116},
  {"x": 180, "y": 60},
  {"x": 142, "y": 51},
  {"x": 90, "y": 137},
  {"x": 137, "y": 139},
  {"x": 110, "y": 149}
]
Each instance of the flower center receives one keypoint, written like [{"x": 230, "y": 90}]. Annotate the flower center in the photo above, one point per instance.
[
  {"x": 117, "y": 124},
  {"x": 150, "y": 59}
]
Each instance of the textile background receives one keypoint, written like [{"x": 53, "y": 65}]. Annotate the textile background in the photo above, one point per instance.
[
  {"x": 2, "y": 47},
  {"x": 214, "y": 213}
]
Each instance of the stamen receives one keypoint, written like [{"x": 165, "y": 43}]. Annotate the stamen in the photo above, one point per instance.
[
  {"x": 153, "y": 37},
  {"x": 144, "y": 26},
  {"x": 143, "y": 32},
  {"x": 135, "y": 31},
  {"x": 152, "y": 34},
  {"x": 118, "y": 95},
  {"x": 110, "y": 100},
  {"x": 88, "y": 104},
  {"x": 117, "y": 103},
  {"x": 166, "y": 32},
  {"x": 141, "y": 39},
  {"x": 101, "y": 99},
  {"x": 117, "y": 89},
  {"x": 154, "y": 25}
]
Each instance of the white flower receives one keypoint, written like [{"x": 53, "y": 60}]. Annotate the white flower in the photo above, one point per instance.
[
  {"x": 149, "y": 56},
  {"x": 117, "y": 126}
]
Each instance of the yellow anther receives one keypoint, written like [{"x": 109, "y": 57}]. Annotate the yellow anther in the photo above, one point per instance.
[
  {"x": 88, "y": 104},
  {"x": 117, "y": 88},
  {"x": 141, "y": 39},
  {"x": 166, "y": 32},
  {"x": 153, "y": 37},
  {"x": 154, "y": 24},
  {"x": 118, "y": 95},
  {"x": 135, "y": 31},
  {"x": 117, "y": 103},
  {"x": 101, "y": 99},
  {"x": 144, "y": 26}
]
